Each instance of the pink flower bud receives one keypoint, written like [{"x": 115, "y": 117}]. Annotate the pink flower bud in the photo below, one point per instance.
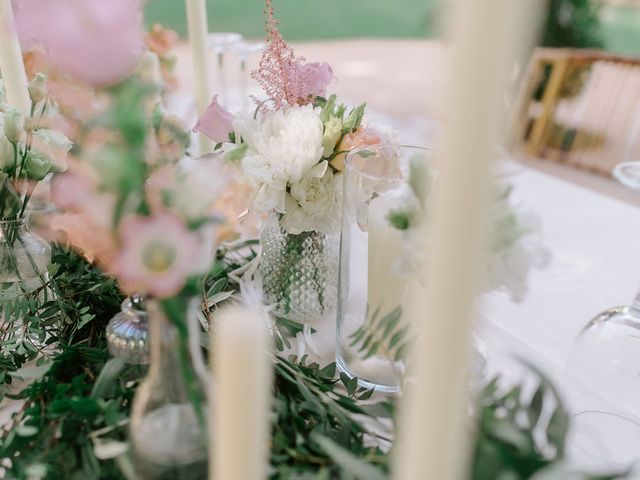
[{"x": 216, "y": 122}]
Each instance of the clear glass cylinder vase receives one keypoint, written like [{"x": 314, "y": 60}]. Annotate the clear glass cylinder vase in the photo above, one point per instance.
[
  {"x": 299, "y": 272},
  {"x": 382, "y": 250},
  {"x": 168, "y": 428},
  {"x": 24, "y": 259}
]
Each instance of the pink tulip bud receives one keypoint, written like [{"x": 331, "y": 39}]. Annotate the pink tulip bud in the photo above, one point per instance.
[{"x": 216, "y": 122}]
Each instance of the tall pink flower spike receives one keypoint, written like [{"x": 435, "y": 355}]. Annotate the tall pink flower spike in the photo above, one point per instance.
[{"x": 285, "y": 78}]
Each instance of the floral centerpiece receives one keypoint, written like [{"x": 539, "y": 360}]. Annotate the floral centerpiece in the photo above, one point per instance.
[{"x": 292, "y": 151}]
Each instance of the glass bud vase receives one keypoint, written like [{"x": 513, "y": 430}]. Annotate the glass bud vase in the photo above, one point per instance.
[
  {"x": 299, "y": 272},
  {"x": 24, "y": 259},
  {"x": 168, "y": 428}
]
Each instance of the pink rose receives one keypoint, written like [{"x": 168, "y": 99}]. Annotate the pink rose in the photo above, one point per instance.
[
  {"x": 317, "y": 76},
  {"x": 95, "y": 41},
  {"x": 362, "y": 137},
  {"x": 216, "y": 122}
]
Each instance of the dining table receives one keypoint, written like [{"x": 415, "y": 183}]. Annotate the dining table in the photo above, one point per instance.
[{"x": 589, "y": 225}]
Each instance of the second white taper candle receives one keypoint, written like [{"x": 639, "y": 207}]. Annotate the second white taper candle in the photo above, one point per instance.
[
  {"x": 198, "y": 33},
  {"x": 434, "y": 436},
  {"x": 241, "y": 396}
]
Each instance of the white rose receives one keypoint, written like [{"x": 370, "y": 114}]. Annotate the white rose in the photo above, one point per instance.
[
  {"x": 314, "y": 203},
  {"x": 53, "y": 145},
  {"x": 282, "y": 147},
  {"x": 13, "y": 122}
]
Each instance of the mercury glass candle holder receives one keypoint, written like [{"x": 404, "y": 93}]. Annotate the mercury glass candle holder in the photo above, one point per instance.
[{"x": 128, "y": 332}]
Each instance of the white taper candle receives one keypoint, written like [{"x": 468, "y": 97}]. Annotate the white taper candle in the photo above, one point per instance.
[
  {"x": 11, "y": 63},
  {"x": 434, "y": 435},
  {"x": 198, "y": 32},
  {"x": 241, "y": 396}
]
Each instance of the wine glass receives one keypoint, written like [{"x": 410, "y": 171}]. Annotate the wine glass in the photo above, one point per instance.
[
  {"x": 220, "y": 42},
  {"x": 244, "y": 49}
]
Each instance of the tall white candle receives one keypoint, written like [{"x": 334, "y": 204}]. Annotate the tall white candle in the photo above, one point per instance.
[
  {"x": 11, "y": 63},
  {"x": 198, "y": 32},
  {"x": 241, "y": 396},
  {"x": 433, "y": 441}
]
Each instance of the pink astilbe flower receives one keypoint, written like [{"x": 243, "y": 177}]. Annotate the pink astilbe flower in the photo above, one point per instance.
[
  {"x": 317, "y": 77},
  {"x": 95, "y": 41},
  {"x": 285, "y": 78},
  {"x": 216, "y": 122}
]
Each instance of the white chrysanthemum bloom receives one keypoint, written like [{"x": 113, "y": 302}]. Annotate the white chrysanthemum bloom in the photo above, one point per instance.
[
  {"x": 282, "y": 147},
  {"x": 314, "y": 203}
]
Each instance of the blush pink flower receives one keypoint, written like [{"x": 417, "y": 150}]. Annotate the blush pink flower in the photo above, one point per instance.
[
  {"x": 317, "y": 76},
  {"x": 94, "y": 242},
  {"x": 71, "y": 190},
  {"x": 158, "y": 254},
  {"x": 95, "y": 41},
  {"x": 216, "y": 122},
  {"x": 360, "y": 138}
]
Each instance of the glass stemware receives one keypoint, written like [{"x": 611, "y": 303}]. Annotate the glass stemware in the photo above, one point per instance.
[
  {"x": 244, "y": 49},
  {"x": 220, "y": 42}
]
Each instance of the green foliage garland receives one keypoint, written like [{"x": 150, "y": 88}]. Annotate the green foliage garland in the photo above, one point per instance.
[{"x": 74, "y": 417}]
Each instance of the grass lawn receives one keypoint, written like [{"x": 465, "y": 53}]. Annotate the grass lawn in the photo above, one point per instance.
[
  {"x": 325, "y": 19},
  {"x": 305, "y": 19},
  {"x": 621, "y": 28}
]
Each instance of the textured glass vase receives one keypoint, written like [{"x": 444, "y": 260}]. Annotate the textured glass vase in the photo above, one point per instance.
[
  {"x": 168, "y": 428},
  {"x": 299, "y": 272}
]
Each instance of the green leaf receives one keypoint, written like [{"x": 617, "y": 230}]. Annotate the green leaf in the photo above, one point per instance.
[
  {"x": 329, "y": 372},
  {"x": 32, "y": 373},
  {"x": 366, "y": 153},
  {"x": 351, "y": 466},
  {"x": 353, "y": 121},
  {"x": 238, "y": 153},
  {"x": 107, "y": 377},
  {"x": 36, "y": 471},
  {"x": 399, "y": 220}
]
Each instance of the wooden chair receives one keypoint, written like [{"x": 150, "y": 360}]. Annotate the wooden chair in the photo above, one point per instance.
[{"x": 580, "y": 107}]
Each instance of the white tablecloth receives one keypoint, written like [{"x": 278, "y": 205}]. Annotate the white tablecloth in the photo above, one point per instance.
[{"x": 595, "y": 244}]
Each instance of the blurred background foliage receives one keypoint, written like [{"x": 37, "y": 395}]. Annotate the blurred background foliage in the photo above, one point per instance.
[{"x": 611, "y": 24}]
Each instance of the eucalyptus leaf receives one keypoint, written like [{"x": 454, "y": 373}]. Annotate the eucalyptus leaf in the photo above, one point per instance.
[{"x": 351, "y": 466}]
